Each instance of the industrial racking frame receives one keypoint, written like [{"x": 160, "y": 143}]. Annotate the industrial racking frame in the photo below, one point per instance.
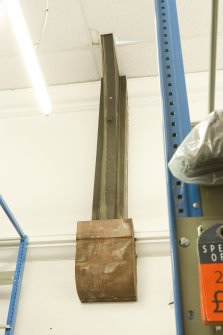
[
  {"x": 18, "y": 275},
  {"x": 184, "y": 202}
]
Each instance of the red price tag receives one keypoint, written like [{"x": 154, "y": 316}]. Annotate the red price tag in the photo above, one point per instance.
[{"x": 210, "y": 246}]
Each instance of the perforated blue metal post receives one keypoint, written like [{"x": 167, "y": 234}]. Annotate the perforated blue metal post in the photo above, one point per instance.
[
  {"x": 183, "y": 199},
  {"x": 14, "y": 300},
  {"x": 13, "y": 306}
]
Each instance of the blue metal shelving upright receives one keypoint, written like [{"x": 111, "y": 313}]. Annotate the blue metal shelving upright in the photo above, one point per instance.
[
  {"x": 17, "y": 281},
  {"x": 183, "y": 199}
]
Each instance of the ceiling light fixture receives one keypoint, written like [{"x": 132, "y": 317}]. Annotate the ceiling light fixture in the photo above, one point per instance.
[{"x": 28, "y": 52}]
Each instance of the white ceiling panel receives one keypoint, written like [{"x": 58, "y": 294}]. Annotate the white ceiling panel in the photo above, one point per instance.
[
  {"x": 65, "y": 28},
  {"x": 131, "y": 56},
  {"x": 13, "y": 73},
  {"x": 134, "y": 60},
  {"x": 194, "y": 17},
  {"x": 200, "y": 54},
  {"x": 8, "y": 46},
  {"x": 58, "y": 68},
  {"x": 69, "y": 47},
  {"x": 196, "y": 53},
  {"x": 195, "y": 21},
  {"x": 128, "y": 20},
  {"x": 220, "y": 20},
  {"x": 69, "y": 67}
]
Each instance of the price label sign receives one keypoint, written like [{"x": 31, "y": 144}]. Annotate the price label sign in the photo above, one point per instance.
[{"x": 210, "y": 248}]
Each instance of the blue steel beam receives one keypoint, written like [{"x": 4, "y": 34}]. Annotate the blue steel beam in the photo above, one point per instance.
[
  {"x": 14, "y": 300},
  {"x": 183, "y": 199}
]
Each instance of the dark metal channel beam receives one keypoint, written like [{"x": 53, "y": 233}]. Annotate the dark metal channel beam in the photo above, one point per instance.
[
  {"x": 110, "y": 185},
  {"x": 105, "y": 251}
]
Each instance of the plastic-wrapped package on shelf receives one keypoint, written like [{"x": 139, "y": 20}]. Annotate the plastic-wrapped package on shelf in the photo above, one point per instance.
[{"x": 199, "y": 158}]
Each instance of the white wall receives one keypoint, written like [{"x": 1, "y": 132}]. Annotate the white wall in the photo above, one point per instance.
[
  {"x": 47, "y": 171},
  {"x": 47, "y": 165},
  {"x": 49, "y": 303}
]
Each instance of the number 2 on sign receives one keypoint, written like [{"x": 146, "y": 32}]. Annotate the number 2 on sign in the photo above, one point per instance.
[{"x": 218, "y": 281}]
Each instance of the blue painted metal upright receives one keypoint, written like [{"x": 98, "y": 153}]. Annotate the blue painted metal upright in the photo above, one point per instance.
[
  {"x": 183, "y": 199},
  {"x": 14, "y": 300}
]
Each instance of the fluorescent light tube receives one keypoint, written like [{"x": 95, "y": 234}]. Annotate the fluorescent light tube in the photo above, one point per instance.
[{"x": 29, "y": 55}]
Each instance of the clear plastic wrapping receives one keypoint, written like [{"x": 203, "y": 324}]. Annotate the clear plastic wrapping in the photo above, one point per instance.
[{"x": 199, "y": 158}]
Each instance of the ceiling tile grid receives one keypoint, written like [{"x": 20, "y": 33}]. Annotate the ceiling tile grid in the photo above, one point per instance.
[{"x": 69, "y": 50}]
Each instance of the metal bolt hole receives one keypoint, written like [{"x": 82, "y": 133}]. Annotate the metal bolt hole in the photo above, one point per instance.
[{"x": 190, "y": 315}]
